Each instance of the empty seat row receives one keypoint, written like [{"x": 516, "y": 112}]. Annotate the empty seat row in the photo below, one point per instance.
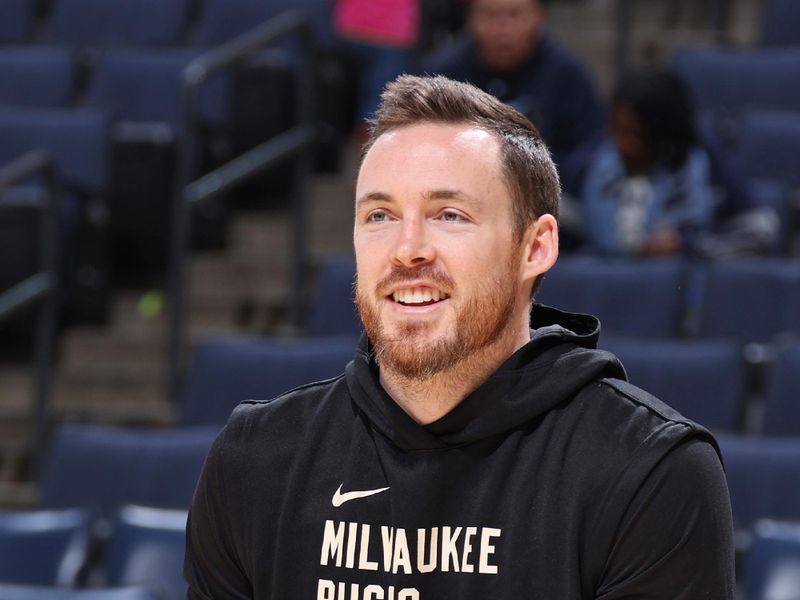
[
  {"x": 141, "y": 548},
  {"x": 747, "y": 300},
  {"x": 92, "y": 23}
]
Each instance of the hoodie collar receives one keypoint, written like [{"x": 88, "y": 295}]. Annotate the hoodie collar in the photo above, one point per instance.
[{"x": 559, "y": 360}]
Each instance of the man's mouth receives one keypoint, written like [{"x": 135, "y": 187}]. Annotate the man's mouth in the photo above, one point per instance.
[{"x": 419, "y": 296}]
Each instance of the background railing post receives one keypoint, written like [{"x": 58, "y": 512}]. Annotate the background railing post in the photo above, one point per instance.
[{"x": 294, "y": 142}]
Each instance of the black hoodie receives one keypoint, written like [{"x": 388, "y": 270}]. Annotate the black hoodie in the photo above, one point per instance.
[{"x": 555, "y": 479}]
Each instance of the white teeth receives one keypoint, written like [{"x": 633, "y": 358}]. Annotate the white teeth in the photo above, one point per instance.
[{"x": 418, "y": 295}]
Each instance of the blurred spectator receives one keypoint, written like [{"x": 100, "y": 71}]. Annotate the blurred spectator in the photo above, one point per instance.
[
  {"x": 647, "y": 188},
  {"x": 380, "y": 35},
  {"x": 507, "y": 52}
]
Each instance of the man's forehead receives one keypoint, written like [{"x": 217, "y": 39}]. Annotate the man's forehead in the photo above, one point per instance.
[{"x": 458, "y": 136}]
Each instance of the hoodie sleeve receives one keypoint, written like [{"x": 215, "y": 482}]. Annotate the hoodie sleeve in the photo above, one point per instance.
[
  {"x": 675, "y": 540},
  {"x": 212, "y": 565}
]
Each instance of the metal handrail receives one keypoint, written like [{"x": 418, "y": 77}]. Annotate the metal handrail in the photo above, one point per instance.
[
  {"x": 41, "y": 288},
  {"x": 296, "y": 141}
]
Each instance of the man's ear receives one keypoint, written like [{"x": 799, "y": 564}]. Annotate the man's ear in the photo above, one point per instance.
[{"x": 540, "y": 247}]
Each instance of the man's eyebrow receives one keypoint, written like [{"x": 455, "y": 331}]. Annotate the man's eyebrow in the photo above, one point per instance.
[
  {"x": 440, "y": 194},
  {"x": 373, "y": 197},
  {"x": 446, "y": 194}
]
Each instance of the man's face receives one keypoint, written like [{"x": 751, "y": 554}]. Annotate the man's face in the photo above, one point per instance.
[
  {"x": 506, "y": 31},
  {"x": 439, "y": 268}
]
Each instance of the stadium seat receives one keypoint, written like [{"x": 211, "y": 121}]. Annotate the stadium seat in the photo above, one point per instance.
[
  {"x": 36, "y": 76},
  {"x": 772, "y": 566},
  {"x": 146, "y": 549},
  {"x": 780, "y": 23},
  {"x": 47, "y": 547},
  {"x": 24, "y": 592},
  {"x": 140, "y": 90},
  {"x": 16, "y": 21},
  {"x": 77, "y": 141},
  {"x": 636, "y": 298},
  {"x": 703, "y": 380},
  {"x": 763, "y": 478},
  {"x": 333, "y": 310},
  {"x": 103, "y": 468},
  {"x": 768, "y": 146},
  {"x": 225, "y": 371},
  {"x": 751, "y": 300},
  {"x": 94, "y": 23},
  {"x": 731, "y": 82},
  {"x": 782, "y": 398},
  {"x": 223, "y": 20}
]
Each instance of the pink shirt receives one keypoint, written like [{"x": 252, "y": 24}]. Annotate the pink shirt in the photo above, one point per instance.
[{"x": 383, "y": 22}]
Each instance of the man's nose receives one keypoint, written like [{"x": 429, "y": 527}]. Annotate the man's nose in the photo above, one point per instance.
[{"x": 414, "y": 245}]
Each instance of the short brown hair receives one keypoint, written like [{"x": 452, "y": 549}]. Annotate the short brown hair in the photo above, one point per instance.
[{"x": 530, "y": 174}]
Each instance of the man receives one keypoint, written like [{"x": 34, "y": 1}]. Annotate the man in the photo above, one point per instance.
[
  {"x": 462, "y": 455},
  {"x": 507, "y": 53}
]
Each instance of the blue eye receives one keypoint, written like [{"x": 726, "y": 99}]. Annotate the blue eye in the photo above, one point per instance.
[
  {"x": 377, "y": 216},
  {"x": 450, "y": 216}
]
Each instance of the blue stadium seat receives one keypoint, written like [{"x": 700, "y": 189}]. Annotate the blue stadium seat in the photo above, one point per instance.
[
  {"x": 333, "y": 310},
  {"x": 146, "y": 548},
  {"x": 104, "y": 468},
  {"x": 45, "y": 547},
  {"x": 637, "y": 298},
  {"x": 78, "y": 142},
  {"x": 763, "y": 478},
  {"x": 769, "y": 144},
  {"x": 751, "y": 300},
  {"x": 77, "y": 139},
  {"x": 731, "y": 82},
  {"x": 223, "y": 20},
  {"x": 772, "y": 566},
  {"x": 782, "y": 398},
  {"x": 780, "y": 23},
  {"x": 91, "y": 23},
  {"x": 24, "y": 592},
  {"x": 703, "y": 380},
  {"x": 16, "y": 21},
  {"x": 36, "y": 76},
  {"x": 225, "y": 371},
  {"x": 143, "y": 85}
]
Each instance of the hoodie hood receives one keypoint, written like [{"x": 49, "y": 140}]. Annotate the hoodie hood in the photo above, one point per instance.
[{"x": 560, "y": 360}]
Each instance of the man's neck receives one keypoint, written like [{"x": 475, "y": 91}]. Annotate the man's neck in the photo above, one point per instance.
[{"x": 429, "y": 399}]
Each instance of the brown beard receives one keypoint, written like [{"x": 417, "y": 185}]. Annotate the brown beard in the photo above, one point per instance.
[{"x": 480, "y": 321}]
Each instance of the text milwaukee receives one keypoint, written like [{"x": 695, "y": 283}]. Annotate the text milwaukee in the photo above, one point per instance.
[{"x": 396, "y": 550}]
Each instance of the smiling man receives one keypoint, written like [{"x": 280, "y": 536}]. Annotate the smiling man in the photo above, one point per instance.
[{"x": 468, "y": 451}]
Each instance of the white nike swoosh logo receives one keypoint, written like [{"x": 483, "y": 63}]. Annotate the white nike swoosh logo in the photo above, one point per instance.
[{"x": 339, "y": 498}]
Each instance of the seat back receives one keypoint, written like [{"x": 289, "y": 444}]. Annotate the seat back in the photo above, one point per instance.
[
  {"x": 223, "y": 20},
  {"x": 772, "y": 568},
  {"x": 638, "y": 298},
  {"x": 763, "y": 478},
  {"x": 703, "y": 380},
  {"x": 104, "y": 468},
  {"x": 732, "y": 82},
  {"x": 769, "y": 144},
  {"x": 45, "y": 547},
  {"x": 143, "y": 85},
  {"x": 89, "y": 23},
  {"x": 780, "y": 23},
  {"x": 333, "y": 310},
  {"x": 25, "y": 592},
  {"x": 36, "y": 77},
  {"x": 226, "y": 371},
  {"x": 146, "y": 549},
  {"x": 16, "y": 21},
  {"x": 751, "y": 300},
  {"x": 77, "y": 140},
  {"x": 782, "y": 403}
]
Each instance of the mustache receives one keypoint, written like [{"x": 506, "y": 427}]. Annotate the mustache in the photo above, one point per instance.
[{"x": 400, "y": 274}]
